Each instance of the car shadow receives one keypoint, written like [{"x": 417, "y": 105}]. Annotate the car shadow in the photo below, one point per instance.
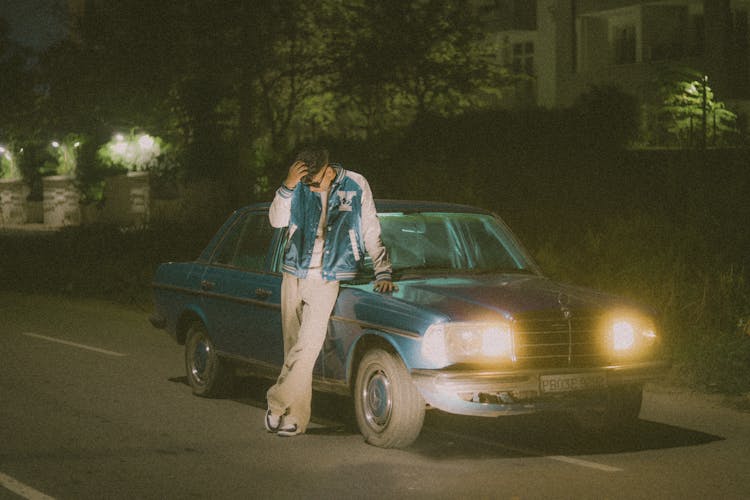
[
  {"x": 447, "y": 436},
  {"x": 451, "y": 436}
]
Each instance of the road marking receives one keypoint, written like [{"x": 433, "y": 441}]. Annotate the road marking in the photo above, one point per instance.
[
  {"x": 21, "y": 489},
  {"x": 584, "y": 463},
  {"x": 74, "y": 344},
  {"x": 534, "y": 453}
]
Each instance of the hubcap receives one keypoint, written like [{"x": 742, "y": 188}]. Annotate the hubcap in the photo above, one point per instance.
[
  {"x": 200, "y": 359},
  {"x": 378, "y": 401}
]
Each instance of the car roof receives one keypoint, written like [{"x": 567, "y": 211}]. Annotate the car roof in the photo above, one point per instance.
[{"x": 403, "y": 206}]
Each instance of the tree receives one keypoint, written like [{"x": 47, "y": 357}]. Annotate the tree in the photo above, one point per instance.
[
  {"x": 690, "y": 112},
  {"x": 290, "y": 63},
  {"x": 233, "y": 89},
  {"x": 400, "y": 59}
]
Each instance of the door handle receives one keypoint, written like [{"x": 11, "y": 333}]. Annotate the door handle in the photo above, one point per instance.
[
  {"x": 207, "y": 285},
  {"x": 263, "y": 293}
]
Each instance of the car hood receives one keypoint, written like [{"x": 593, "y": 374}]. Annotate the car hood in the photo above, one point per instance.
[{"x": 472, "y": 298}]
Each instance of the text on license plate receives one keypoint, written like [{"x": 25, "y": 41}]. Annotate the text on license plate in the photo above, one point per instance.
[{"x": 572, "y": 382}]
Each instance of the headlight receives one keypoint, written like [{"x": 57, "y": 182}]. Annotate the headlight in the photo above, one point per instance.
[
  {"x": 447, "y": 343},
  {"x": 628, "y": 334}
]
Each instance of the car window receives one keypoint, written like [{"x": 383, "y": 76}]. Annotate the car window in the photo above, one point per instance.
[{"x": 245, "y": 245}]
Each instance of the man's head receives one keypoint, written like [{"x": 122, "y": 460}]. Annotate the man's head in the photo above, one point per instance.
[{"x": 316, "y": 160}]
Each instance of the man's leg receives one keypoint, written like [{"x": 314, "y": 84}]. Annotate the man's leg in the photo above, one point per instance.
[
  {"x": 291, "y": 311},
  {"x": 293, "y": 390},
  {"x": 291, "y": 320}
]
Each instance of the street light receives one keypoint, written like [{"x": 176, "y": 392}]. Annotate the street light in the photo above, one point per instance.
[{"x": 146, "y": 142}]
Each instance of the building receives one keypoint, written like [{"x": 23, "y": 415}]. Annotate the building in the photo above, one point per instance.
[{"x": 567, "y": 46}]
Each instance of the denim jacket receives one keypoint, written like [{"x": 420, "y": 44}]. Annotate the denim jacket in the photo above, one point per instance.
[{"x": 352, "y": 227}]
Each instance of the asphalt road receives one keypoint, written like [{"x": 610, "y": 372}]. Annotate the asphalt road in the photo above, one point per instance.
[{"x": 94, "y": 404}]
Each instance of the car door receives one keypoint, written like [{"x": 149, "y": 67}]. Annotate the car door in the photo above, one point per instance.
[{"x": 241, "y": 295}]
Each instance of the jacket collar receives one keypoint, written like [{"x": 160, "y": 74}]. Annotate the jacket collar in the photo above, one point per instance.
[{"x": 340, "y": 173}]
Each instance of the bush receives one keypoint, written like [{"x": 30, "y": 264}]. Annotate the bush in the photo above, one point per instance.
[{"x": 100, "y": 261}]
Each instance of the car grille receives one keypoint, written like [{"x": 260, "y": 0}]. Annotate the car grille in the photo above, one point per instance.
[{"x": 551, "y": 340}]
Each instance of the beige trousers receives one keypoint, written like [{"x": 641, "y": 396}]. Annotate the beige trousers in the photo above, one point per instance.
[{"x": 306, "y": 306}]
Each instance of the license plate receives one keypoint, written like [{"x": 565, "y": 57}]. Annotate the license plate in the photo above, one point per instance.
[{"x": 572, "y": 382}]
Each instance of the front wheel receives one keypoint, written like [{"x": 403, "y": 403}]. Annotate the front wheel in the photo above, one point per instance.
[
  {"x": 206, "y": 371},
  {"x": 389, "y": 409}
]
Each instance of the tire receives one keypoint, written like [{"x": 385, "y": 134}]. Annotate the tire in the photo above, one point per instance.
[
  {"x": 389, "y": 409},
  {"x": 620, "y": 410},
  {"x": 207, "y": 373}
]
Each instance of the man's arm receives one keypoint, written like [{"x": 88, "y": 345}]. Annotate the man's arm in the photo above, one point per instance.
[
  {"x": 374, "y": 244},
  {"x": 281, "y": 206}
]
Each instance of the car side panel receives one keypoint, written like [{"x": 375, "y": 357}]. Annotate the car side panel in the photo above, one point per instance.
[
  {"x": 176, "y": 289},
  {"x": 359, "y": 312},
  {"x": 244, "y": 313}
]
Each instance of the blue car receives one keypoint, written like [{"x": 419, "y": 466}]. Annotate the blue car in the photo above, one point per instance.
[{"x": 475, "y": 328}]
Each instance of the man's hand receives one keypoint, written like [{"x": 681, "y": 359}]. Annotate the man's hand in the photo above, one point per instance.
[
  {"x": 296, "y": 172},
  {"x": 385, "y": 286}
]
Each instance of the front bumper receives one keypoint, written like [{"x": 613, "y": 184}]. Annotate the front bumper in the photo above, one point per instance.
[{"x": 498, "y": 393}]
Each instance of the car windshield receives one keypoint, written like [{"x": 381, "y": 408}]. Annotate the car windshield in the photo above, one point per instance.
[{"x": 428, "y": 243}]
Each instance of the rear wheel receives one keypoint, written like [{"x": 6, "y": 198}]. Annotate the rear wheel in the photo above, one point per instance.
[
  {"x": 389, "y": 409},
  {"x": 207, "y": 373}
]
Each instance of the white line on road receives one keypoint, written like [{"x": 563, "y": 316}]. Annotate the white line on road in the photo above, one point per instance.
[
  {"x": 584, "y": 463},
  {"x": 21, "y": 489},
  {"x": 534, "y": 453},
  {"x": 74, "y": 344}
]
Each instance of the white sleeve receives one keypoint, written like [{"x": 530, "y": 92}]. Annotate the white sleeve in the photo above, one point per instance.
[
  {"x": 281, "y": 207},
  {"x": 371, "y": 236}
]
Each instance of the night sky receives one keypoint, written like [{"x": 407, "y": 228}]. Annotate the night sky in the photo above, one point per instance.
[{"x": 34, "y": 23}]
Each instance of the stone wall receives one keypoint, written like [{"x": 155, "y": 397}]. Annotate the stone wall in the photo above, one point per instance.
[
  {"x": 13, "y": 194},
  {"x": 61, "y": 202},
  {"x": 127, "y": 200}
]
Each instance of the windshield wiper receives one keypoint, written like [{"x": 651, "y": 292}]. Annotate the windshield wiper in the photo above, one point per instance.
[
  {"x": 501, "y": 270},
  {"x": 419, "y": 271}
]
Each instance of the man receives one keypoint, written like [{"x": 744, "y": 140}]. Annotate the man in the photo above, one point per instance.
[{"x": 332, "y": 220}]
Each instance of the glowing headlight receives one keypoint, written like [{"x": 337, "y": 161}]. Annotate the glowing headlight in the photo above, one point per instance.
[
  {"x": 467, "y": 342},
  {"x": 629, "y": 334},
  {"x": 623, "y": 336}
]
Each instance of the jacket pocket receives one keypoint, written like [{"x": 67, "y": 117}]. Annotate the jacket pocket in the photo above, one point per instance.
[{"x": 355, "y": 246}]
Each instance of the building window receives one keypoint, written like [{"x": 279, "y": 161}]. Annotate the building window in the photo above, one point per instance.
[
  {"x": 523, "y": 58},
  {"x": 624, "y": 41}
]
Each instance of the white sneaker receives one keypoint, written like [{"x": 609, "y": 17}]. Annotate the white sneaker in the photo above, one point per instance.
[
  {"x": 288, "y": 429},
  {"x": 272, "y": 421}
]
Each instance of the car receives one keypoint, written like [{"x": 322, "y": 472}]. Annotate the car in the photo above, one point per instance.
[{"x": 475, "y": 328}]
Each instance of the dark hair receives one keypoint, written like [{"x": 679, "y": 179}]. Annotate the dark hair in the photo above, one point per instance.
[{"x": 315, "y": 157}]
